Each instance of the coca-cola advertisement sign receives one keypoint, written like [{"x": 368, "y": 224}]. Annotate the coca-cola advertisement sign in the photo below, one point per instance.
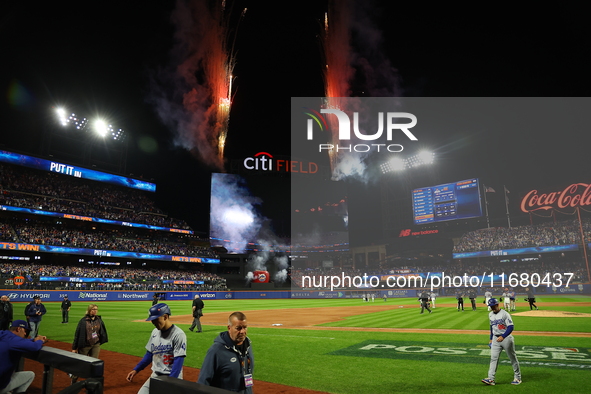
[{"x": 575, "y": 195}]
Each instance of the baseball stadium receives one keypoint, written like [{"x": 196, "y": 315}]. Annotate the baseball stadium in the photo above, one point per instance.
[{"x": 446, "y": 252}]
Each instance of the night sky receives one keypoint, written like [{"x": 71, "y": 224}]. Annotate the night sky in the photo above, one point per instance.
[{"x": 101, "y": 59}]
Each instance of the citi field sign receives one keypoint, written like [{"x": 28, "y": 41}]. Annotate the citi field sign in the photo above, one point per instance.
[
  {"x": 573, "y": 196},
  {"x": 535, "y": 356},
  {"x": 264, "y": 161},
  {"x": 345, "y": 125}
]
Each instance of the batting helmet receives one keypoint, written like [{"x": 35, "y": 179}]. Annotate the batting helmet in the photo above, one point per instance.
[
  {"x": 493, "y": 301},
  {"x": 158, "y": 310}
]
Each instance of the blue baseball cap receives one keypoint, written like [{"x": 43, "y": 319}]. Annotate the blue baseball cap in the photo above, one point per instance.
[
  {"x": 158, "y": 310},
  {"x": 22, "y": 324},
  {"x": 493, "y": 301}
]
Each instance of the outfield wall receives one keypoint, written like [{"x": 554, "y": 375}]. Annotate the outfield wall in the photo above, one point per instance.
[{"x": 75, "y": 295}]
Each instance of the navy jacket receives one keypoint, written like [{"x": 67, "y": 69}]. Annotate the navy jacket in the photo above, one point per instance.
[
  {"x": 224, "y": 367},
  {"x": 32, "y": 312}
]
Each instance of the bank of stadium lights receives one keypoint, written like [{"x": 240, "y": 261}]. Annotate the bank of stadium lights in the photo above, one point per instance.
[
  {"x": 71, "y": 120},
  {"x": 99, "y": 126},
  {"x": 399, "y": 164}
]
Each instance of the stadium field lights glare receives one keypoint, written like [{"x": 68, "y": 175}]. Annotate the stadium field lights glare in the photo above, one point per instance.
[
  {"x": 398, "y": 164},
  {"x": 99, "y": 126}
]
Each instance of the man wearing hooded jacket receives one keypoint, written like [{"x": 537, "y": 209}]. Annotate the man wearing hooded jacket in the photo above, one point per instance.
[{"x": 229, "y": 362}]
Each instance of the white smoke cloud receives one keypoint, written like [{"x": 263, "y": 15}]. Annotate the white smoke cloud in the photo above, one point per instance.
[
  {"x": 234, "y": 217},
  {"x": 249, "y": 277},
  {"x": 350, "y": 166},
  {"x": 281, "y": 264}
]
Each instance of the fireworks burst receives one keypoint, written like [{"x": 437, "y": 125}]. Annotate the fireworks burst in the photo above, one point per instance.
[
  {"x": 194, "y": 96},
  {"x": 338, "y": 71}
]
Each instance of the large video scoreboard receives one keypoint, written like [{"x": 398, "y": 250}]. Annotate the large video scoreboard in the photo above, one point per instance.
[{"x": 450, "y": 201}]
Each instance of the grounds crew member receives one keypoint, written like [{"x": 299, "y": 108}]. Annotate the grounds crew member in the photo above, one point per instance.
[
  {"x": 229, "y": 362},
  {"x": 166, "y": 349},
  {"x": 501, "y": 327},
  {"x": 13, "y": 343}
]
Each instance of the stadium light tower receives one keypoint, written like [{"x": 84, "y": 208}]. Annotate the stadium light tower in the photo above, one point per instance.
[
  {"x": 87, "y": 142},
  {"x": 101, "y": 127},
  {"x": 398, "y": 164},
  {"x": 426, "y": 157},
  {"x": 393, "y": 165},
  {"x": 420, "y": 159},
  {"x": 70, "y": 120}
]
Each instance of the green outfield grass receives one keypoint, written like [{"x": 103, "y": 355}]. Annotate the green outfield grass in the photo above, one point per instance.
[{"x": 342, "y": 361}]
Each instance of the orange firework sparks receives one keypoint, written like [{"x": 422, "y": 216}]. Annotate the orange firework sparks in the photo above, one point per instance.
[
  {"x": 207, "y": 69},
  {"x": 338, "y": 71}
]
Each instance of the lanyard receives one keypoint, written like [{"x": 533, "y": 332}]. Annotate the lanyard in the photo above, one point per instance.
[{"x": 242, "y": 363}]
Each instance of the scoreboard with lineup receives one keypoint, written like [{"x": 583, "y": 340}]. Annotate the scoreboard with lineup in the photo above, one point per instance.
[{"x": 450, "y": 201}]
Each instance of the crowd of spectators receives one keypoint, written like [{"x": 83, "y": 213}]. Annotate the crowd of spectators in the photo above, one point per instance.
[
  {"x": 133, "y": 278},
  {"x": 6, "y": 233},
  {"x": 495, "y": 238},
  {"x": 44, "y": 232},
  {"x": 46, "y": 191}
]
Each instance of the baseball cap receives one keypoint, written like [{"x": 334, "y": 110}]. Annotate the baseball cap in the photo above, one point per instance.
[
  {"x": 36, "y": 298},
  {"x": 493, "y": 301},
  {"x": 21, "y": 324},
  {"x": 65, "y": 296},
  {"x": 158, "y": 310}
]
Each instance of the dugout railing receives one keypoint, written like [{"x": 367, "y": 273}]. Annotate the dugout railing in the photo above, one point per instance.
[
  {"x": 88, "y": 368},
  {"x": 167, "y": 385}
]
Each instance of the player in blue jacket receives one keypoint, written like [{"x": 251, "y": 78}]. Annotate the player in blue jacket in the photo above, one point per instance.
[
  {"x": 501, "y": 327},
  {"x": 229, "y": 363},
  {"x": 13, "y": 343}
]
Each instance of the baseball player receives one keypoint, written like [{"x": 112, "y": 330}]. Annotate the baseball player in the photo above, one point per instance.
[
  {"x": 512, "y": 299},
  {"x": 166, "y": 348},
  {"x": 487, "y": 297},
  {"x": 501, "y": 327},
  {"x": 433, "y": 297},
  {"x": 506, "y": 299}
]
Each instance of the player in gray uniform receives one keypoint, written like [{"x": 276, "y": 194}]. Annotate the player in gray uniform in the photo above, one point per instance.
[
  {"x": 501, "y": 327},
  {"x": 166, "y": 348},
  {"x": 433, "y": 297},
  {"x": 512, "y": 300},
  {"x": 487, "y": 297},
  {"x": 506, "y": 299}
]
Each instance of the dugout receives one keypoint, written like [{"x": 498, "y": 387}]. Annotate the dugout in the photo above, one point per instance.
[
  {"x": 167, "y": 385},
  {"x": 89, "y": 368}
]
